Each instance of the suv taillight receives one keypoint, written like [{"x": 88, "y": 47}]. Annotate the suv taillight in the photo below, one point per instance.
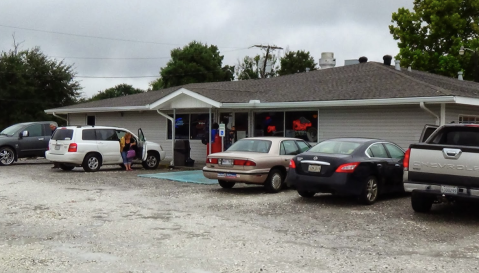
[
  {"x": 405, "y": 162},
  {"x": 72, "y": 148}
]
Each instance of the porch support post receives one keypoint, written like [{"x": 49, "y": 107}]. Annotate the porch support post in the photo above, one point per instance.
[
  {"x": 443, "y": 114},
  {"x": 317, "y": 128},
  {"x": 209, "y": 132},
  {"x": 173, "y": 137}
]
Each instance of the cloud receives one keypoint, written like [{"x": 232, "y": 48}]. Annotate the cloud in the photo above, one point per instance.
[{"x": 349, "y": 28}]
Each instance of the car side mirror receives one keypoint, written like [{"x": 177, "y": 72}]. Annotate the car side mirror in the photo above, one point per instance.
[{"x": 25, "y": 133}]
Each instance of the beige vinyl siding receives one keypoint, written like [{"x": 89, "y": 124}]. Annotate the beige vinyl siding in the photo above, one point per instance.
[
  {"x": 400, "y": 124},
  {"x": 454, "y": 110}
]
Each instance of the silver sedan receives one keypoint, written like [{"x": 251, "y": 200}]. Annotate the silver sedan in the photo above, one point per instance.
[{"x": 256, "y": 160}]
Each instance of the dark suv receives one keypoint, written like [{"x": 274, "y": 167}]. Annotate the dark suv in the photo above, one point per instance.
[{"x": 29, "y": 139}]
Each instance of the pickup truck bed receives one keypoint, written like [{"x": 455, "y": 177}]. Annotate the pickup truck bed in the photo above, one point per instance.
[{"x": 443, "y": 168}]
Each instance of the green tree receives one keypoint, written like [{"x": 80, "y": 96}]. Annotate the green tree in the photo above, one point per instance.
[
  {"x": 252, "y": 68},
  {"x": 430, "y": 36},
  {"x": 117, "y": 91},
  {"x": 294, "y": 62},
  {"x": 195, "y": 63},
  {"x": 156, "y": 85},
  {"x": 30, "y": 82}
]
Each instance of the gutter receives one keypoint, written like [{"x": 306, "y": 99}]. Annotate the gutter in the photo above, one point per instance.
[
  {"x": 421, "y": 104},
  {"x": 336, "y": 103},
  {"x": 98, "y": 109},
  {"x": 55, "y": 115}
]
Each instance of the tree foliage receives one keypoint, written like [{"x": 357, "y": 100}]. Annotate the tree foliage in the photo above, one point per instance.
[
  {"x": 430, "y": 36},
  {"x": 195, "y": 63},
  {"x": 30, "y": 83},
  {"x": 117, "y": 91},
  {"x": 294, "y": 62},
  {"x": 156, "y": 85},
  {"x": 252, "y": 67}
]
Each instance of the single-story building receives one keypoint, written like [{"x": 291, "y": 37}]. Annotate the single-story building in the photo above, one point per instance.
[{"x": 361, "y": 100}]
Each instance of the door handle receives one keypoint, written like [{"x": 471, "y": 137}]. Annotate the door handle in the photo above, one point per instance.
[
  {"x": 380, "y": 165},
  {"x": 41, "y": 138},
  {"x": 397, "y": 165}
]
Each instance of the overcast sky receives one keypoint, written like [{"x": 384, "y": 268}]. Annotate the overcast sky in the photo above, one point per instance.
[{"x": 144, "y": 32}]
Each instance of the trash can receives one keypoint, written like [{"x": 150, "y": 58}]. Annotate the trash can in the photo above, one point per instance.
[{"x": 182, "y": 151}]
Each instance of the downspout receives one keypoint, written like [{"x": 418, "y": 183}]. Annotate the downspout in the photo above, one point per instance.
[
  {"x": 423, "y": 107},
  {"x": 172, "y": 163},
  {"x": 55, "y": 115}
]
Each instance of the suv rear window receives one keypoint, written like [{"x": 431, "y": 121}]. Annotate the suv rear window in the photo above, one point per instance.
[{"x": 63, "y": 134}]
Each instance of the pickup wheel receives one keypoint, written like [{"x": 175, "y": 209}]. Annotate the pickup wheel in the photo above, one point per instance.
[
  {"x": 226, "y": 184},
  {"x": 421, "y": 202},
  {"x": 7, "y": 156}
]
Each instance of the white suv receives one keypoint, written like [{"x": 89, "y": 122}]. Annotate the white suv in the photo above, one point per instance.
[{"x": 94, "y": 146}]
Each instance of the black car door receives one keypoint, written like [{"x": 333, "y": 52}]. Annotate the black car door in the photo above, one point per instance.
[
  {"x": 396, "y": 165},
  {"x": 380, "y": 158},
  {"x": 31, "y": 141}
]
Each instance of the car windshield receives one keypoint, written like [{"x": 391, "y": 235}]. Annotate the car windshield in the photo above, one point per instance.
[
  {"x": 335, "y": 147},
  {"x": 10, "y": 131},
  {"x": 251, "y": 145}
]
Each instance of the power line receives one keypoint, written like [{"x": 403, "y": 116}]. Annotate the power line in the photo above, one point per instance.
[{"x": 95, "y": 37}]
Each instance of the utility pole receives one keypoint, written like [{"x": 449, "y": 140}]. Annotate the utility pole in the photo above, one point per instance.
[{"x": 268, "y": 48}]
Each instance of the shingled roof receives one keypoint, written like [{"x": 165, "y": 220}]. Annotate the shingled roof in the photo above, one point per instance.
[{"x": 353, "y": 82}]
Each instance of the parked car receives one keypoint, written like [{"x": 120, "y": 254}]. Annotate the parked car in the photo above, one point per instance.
[
  {"x": 22, "y": 140},
  {"x": 256, "y": 160},
  {"x": 443, "y": 168},
  {"x": 359, "y": 167},
  {"x": 94, "y": 146}
]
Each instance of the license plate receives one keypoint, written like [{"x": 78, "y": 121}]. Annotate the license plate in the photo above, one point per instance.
[
  {"x": 57, "y": 147},
  {"x": 228, "y": 175},
  {"x": 228, "y": 162},
  {"x": 449, "y": 189},
  {"x": 314, "y": 168}
]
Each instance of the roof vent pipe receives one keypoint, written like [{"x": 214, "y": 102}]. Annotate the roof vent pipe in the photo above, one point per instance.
[
  {"x": 409, "y": 68},
  {"x": 363, "y": 60},
  {"x": 459, "y": 75},
  {"x": 398, "y": 65},
  {"x": 327, "y": 60},
  {"x": 387, "y": 59}
]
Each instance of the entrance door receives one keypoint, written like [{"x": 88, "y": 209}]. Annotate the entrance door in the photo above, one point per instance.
[{"x": 241, "y": 125}]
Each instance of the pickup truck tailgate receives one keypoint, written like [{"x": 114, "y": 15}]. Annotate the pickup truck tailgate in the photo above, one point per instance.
[{"x": 444, "y": 164}]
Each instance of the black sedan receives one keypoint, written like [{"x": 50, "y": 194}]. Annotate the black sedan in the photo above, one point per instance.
[{"x": 359, "y": 167}]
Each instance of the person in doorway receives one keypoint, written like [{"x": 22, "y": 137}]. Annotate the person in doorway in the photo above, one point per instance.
[
  {"x": 53, "y": 127},
  {"x": 126, "y": 144},
  {"x": 230, "y": 137}
]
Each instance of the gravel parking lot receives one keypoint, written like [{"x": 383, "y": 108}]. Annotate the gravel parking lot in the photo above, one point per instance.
[{"x": 114, "y": 221}]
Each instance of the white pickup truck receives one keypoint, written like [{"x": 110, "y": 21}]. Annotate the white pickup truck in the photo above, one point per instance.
[{"x": 443, "y": 168}]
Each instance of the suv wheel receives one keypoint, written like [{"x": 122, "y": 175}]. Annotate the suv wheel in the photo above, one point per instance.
[
  {"x": 7, "y": 156},
  {"x": 151, "y": 162},
  {"x": 421, "y": 202},
  {"x": 66, "y": 167},
  {"x": 91, "y": 163},
  {"x": 274, "y": 182},
  {"x": 226, "y": 184}
]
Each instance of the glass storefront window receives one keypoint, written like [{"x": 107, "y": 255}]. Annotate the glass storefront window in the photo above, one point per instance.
[
  {"x": 269, "y": 124},
  {"x": 302, "y": 125},
  {"x": 182, "y": 126},
  {"x": 199, "y": 125}
]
